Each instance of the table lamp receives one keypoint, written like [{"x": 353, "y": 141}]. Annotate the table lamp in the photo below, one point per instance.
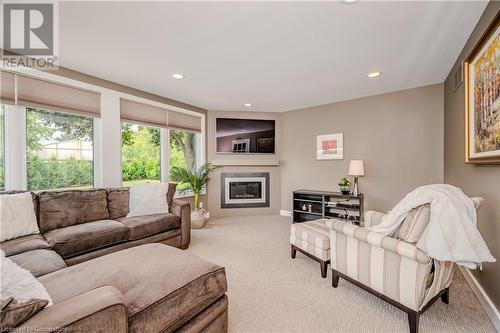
[{"x": 356, "y": 169}]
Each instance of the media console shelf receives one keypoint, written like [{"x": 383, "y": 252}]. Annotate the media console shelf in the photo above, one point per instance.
[{"x": 313, "y": 205}]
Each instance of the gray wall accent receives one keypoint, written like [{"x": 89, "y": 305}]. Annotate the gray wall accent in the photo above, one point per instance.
[
  {"x": 399, "y": 136},
  {"x": 475, "y": 180}
]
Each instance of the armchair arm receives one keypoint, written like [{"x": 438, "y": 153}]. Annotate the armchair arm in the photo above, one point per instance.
[
  {"x": 98, "y": 310},
  {"x": 183, "y": 210},
  {"x": 373, "y": 218}
]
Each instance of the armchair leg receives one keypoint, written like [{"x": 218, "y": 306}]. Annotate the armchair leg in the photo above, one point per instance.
[
  {"x": 335, "y": 279},
  {"x": 445, "y": 297},
  {"x": 413, "y": 317},
  {"x": 323, "y": 266},
  {"x": 293, "y": 251}
]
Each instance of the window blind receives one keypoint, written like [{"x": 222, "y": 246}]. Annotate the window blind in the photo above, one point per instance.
[
  {"x": 182, "y": 121},
  {"x": 156, "y": 116},
  {"x": 51, "y": 96},
  {"x": 7, "y": 88}
]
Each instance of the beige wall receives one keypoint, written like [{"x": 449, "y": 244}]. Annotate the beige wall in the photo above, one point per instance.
[
  {"x": 247, "y": 163},
  {"x": 477, "y": 180},
  {"x": 399, "y": 136}
]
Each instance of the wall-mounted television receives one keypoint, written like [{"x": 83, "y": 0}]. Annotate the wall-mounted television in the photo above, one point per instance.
[{"x": 245, "y": 136}]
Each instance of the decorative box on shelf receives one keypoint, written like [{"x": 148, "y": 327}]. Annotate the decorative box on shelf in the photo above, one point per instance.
[{"x": 313, "y": 205}]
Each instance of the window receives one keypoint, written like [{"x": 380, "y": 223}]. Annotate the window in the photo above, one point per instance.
[
  {"x": 59, "y": 150},
  {"x": 184, "y": 152},
  {"x": 2, "y": 148},
  {"x": 141, "y": 161}
]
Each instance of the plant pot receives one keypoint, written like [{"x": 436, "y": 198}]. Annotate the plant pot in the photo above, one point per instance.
[
  {"x": 345, "y": 190},
  {"x": 198, "y": 218}
]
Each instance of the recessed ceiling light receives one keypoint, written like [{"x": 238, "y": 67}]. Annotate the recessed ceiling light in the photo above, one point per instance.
[
  {"x": 177, "y": 76},
  {"x": 373, "y": 75},
  {"x": 248, "y": 105},
  {"x": 348, "y": 2}
]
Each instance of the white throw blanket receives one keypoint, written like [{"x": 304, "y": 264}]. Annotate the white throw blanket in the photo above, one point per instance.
[{"x": 451, "y": 234}]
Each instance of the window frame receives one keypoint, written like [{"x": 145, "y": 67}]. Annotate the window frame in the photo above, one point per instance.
[
  {"x": 94, "y": 166},
  {"x": 163, "y": 159}
]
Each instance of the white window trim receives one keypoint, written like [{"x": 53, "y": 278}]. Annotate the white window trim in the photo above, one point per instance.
[
  {"x": 15, "y": 148},
  {"x": 164, "y": 155},
  {"x": 97, "y": 158}
]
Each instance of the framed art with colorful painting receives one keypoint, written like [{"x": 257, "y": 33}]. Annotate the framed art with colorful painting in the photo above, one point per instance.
[
  {"x": 482, "y": 98},
  {"x": 330, "y": 147}
]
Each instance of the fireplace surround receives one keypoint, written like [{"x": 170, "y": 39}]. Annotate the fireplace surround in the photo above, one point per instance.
[{"x": 244, "y": 190}]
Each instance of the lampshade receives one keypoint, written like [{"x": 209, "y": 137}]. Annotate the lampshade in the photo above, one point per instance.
[{"x": 356, "y": 168}]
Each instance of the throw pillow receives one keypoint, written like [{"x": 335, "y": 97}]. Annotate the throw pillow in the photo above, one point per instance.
[
  {"x": 15, "y": 313},
  {"x": 148, "y": 199},
  {"x": 414, "y": 224},
  {"x": 20, "y": 284},
  {"x": 17, "y": 216}
]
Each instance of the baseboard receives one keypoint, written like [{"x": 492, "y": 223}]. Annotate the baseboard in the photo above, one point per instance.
[
  {"x": 485, "y": 301},
  {"x": 286, "y": 213}
]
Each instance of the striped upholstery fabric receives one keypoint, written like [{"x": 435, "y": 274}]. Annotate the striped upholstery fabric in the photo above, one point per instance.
[
  {"x": 373, "y": 218},
  {"x": 414, "y": 224},
  {"x": 397, "y": 269},
  {"x": 312, "y": 237}
]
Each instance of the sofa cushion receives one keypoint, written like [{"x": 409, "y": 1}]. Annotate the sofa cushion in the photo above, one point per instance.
[
  {"x": 17, "y": 216},
  {"x": 147, "y": 225},
  {"x": 33, "y": 195},
  {"x": 118, "y": 202},
  {"x": 85, "y": 237},
  {"x": 171, "y": 193},
  {"x": 24, "y": 244},
  {"x": 15, "y": 313},
  {"x": 414, "y": 224},
  {"x": 160, "y": 293},
  {"x": 39, "y": 262},
  {"x": 19, "y": 283},
  {"x": 59, "y": 209}
]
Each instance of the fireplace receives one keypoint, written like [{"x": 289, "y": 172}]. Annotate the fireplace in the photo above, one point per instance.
[{"x": 244, "y": 190}]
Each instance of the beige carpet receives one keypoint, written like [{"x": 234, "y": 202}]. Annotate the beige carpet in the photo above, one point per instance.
[{"x": 270, "y": 292}]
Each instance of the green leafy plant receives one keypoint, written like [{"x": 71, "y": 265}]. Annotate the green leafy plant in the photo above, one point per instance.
[
  {"x": 195, "y": 180},
  {"x": 344, "y": 182}
]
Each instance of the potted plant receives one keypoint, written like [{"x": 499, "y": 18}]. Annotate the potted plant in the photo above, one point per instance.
[
  {"x": 345, "y": 186},
  {"x": 196, "y": 181}
]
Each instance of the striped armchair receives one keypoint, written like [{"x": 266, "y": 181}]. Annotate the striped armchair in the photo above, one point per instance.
[{"x": 391, "y": 269}]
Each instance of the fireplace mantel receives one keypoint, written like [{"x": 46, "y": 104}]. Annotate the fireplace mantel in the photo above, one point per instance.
[{"x": 247, "y": 160}]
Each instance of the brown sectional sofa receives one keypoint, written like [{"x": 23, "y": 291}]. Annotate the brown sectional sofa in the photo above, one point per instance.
[
  {"x": 80, "y": 225},
  {"x": 120, "y": 279}
]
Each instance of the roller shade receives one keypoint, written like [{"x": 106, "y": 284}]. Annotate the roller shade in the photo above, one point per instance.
[
  {"x": 143, "y": 113},
  {"x": 152, "y": 115},
  {"x": 183, "y": 121},
  {"x": 7, "y": 88},
  {"x": 50, "y": 96}
]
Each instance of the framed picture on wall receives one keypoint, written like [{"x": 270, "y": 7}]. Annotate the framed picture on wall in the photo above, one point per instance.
[
  {"x": 330, "y": 147},
  {"x": 482, "y": 98}
]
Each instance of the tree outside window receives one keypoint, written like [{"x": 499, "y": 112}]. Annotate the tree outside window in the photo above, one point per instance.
[
  {"x": 59, "y": 150},
  {"x": 183, "y": 151}
]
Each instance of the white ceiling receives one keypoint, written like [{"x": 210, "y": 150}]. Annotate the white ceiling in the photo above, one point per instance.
[{"x": 278, "y": 56}]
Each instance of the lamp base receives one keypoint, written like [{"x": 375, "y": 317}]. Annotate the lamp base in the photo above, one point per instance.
[{"x": 355, "y": 191}]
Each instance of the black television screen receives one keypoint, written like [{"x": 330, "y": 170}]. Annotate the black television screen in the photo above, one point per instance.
[{"x": 245, "y": 136}]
